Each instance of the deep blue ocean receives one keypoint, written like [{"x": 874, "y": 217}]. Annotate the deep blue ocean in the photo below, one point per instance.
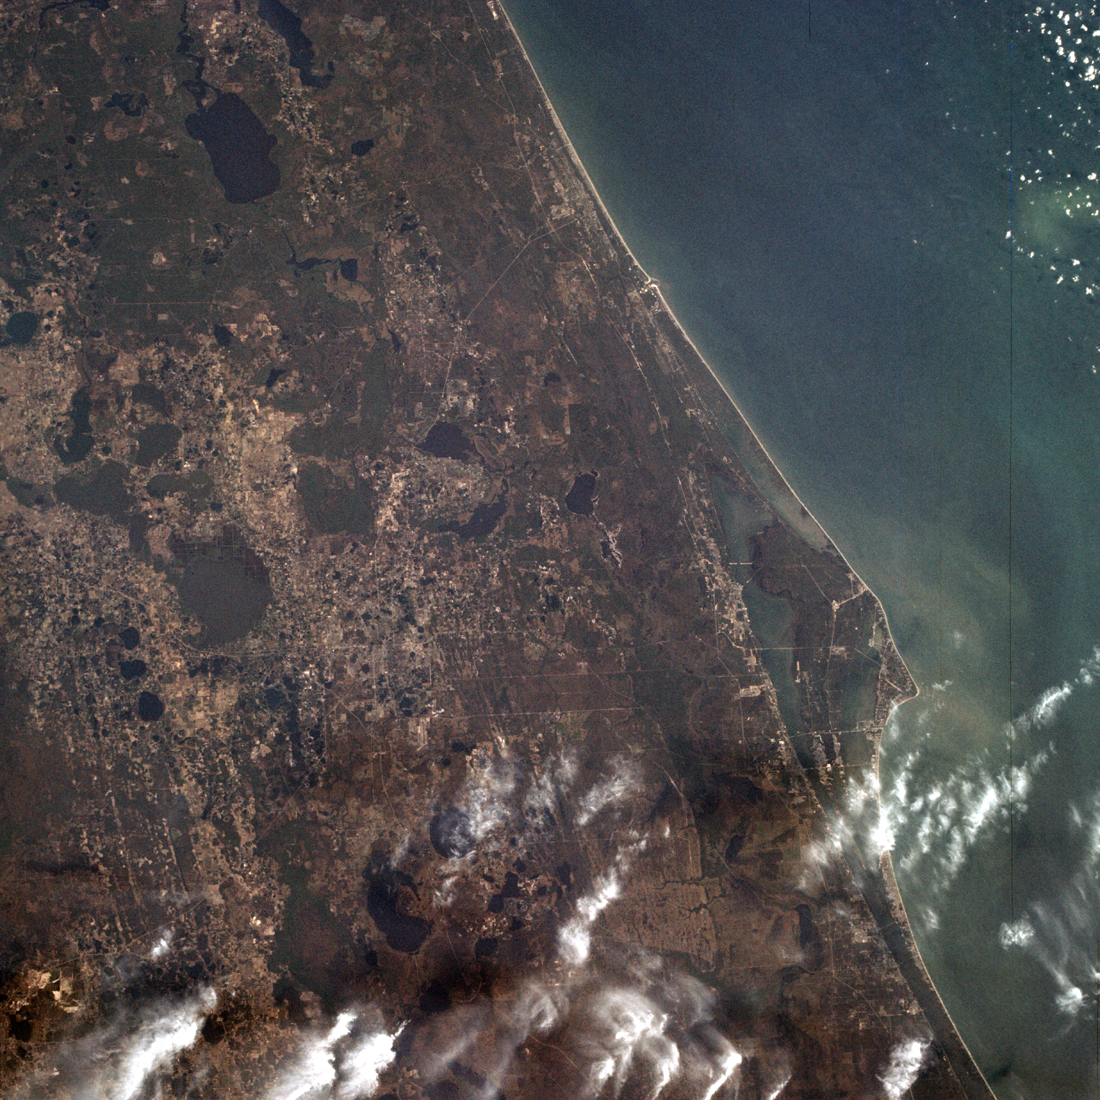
[{"x": 881, "y": 224}]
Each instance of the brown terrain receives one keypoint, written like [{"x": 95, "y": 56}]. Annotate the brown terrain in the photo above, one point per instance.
[{"x": 416, "y": 680}]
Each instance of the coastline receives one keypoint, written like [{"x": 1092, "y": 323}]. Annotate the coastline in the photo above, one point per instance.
[
  {"x": 505, "y": 550},
  {"x": 878, "y": 885},
  {"x": 649, "y": 284}
]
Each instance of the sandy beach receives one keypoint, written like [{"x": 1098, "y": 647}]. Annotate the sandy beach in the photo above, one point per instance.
[
  {"x": 883, "y": 896},
  {"x": 786, "y": 502}
]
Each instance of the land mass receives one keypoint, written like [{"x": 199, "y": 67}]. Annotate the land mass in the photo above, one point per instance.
[{"x": 417, "y": 679}]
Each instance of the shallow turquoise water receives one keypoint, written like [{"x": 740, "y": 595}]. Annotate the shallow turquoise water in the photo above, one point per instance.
[{"x": 875, "y": 220}]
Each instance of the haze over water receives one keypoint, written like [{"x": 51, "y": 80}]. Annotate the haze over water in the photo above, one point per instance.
[{"x": 881, "y": 224}]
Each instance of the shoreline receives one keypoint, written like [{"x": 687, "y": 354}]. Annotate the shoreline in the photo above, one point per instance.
[
  {"x": 889, "y": 907},
  {"x": 652, "y": 285}
]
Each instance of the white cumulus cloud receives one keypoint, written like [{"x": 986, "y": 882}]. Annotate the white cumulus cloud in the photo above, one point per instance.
[
  {"x": 343, "y": 1063},
  {"x": 128, "y": 1057},
  {"x": 906, "y": 1062},
  {"x": 621, "y": 783}
]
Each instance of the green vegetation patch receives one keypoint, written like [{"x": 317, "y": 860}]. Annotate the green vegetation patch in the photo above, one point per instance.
[
  {"x": 331, "y": 504},
  {"x": 349, "y": 430},
  {"x": 104, "y": 493},
  {"x": 551, "y": 413},
  {"x": 664, "y": 693},
  {"x": 531, "y": 554},
  {"x": 317, "y": 950},
  {"x": 78, "y": 445},
  {"x": 26, "y": 493},
  {"x": 196, "y": 487},
  {"x": 224, "y": 584},
  {"x": 155, "y": 442}
]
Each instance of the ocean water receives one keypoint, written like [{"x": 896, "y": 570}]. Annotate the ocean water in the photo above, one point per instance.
[{"x": 881, "y": 224}]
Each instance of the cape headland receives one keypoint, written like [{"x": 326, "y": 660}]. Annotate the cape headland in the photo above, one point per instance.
[{"x": 418, "y": 680}]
